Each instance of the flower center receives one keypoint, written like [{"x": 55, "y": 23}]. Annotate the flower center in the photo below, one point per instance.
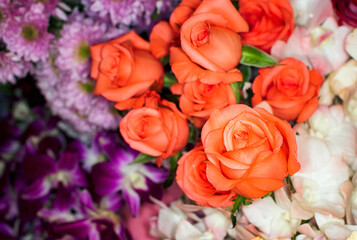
[
  {"x": 206, "y": 90},
  {"x": 1, "y": 17},
  {"x": 200, "y": 34},
  {"x": 42, "y": 1},
  {"x": 29, "y": 32},
  {"x": 241, "y": 135},
  {"x": 87, "y": 87},
  {"x": 82, "y": 52},
  {"x": 142, "y": 127}
]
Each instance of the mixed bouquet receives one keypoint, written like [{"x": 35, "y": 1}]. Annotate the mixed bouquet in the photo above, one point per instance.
[{"x": 167, "y": 119}]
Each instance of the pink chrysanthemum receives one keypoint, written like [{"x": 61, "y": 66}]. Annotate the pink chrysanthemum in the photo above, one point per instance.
[
  {"x": 26, "y": 33},
  {"x": 74, "y": 101},
  {"x": 12, "y": 66}
]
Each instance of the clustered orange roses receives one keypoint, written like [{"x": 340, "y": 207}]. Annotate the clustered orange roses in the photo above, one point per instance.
[
  {"x": 249, "y": 152},
  {"x": 244, "y": 151},
  {"x": 205, "y": 49}
]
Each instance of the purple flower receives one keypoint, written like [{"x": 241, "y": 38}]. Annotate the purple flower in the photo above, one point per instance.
[
  {"x": 26, "y": 33},
  {"x": 12, "y": 67},
  {"x": 135, "y": 181},
  {"x": 73, "y": 100},
  {"x": 76, "y": 215},
  {"x": 73, "y": 45},
  {"x": 5, "y": 13},
  {"x": 127, "y": 12},
  {"x": 44, "y": 173}
]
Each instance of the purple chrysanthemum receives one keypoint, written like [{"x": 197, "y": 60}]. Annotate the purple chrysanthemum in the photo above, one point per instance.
[
  {"x": 5, "y": 12},
  {"x": 127, "y": 12},
  {"x": 12, "y": 66},
  {"x": 73, "y": 100},
  {"x": 26, "y": 33},
  {"x": 73, "y": 45}
]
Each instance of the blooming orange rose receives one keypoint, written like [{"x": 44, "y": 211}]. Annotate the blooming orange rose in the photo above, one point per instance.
[
  {"x": 210, "y": 36},
  {"x": 290, "y": 88},
  {"x": 187, "y": 71},
  {"x": 118, "y": 67},
  {"x": 269, "y": 21},
  {"x": 192, "y": 179},
  {"x": 198, "y": 99},
  {"x": 161, "y": 37},
  {"x": 250, "y": 151},
  {"x": 157, "y": 131}
]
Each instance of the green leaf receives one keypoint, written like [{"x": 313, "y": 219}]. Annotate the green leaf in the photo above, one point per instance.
[
  {"x": 165, "y": 60},
  {"x": 246, "y": 72},
  {"x": 236, "y": 91},
  {"x": 236, "y": 4},
  {"x": 143, "y": 158},
  {"x": 194, "y": 134},
  {"x": 290, "y": 183},
  {"x": 169, "y": 79},
  {"x": 237, "y": 202},
  {"x": 173, "y": 166},
  {"x": 252, "y": 56}
]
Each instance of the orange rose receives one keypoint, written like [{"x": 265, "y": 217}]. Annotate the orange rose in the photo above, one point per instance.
[
  {"x": 187, "y": 71},
  {"x": 156, "y": 131},
  {"x": 210, "y": 37},
  {"x": 161, "y": 37},
  {"x": 118, "y": 67},
  {"x": 269, "y": 21},
  {"x": 192, "y": 179},
  {"x": 289, "y": 88},
  {"x": 198, "y": 99},
  {"x": 250, "y": 151}
]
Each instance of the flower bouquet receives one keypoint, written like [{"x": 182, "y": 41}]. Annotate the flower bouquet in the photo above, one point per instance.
[{"x": 167, "y": 119}]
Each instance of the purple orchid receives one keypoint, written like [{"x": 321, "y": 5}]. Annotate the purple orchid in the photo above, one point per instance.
[
  {"x": 44, "y": 173},
  {"x": 119, "y": 174},
  {"x": 74, "y": 214}
]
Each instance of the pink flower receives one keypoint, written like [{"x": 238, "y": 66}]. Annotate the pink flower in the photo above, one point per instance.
[
  {"x": 321, "y": 48},
  {"x": 320, "y": 181},
  {"x": 273, "y": 218}
]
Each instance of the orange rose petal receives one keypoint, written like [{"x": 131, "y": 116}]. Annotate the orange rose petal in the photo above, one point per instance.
[
  {"x": 142, "y": 60},
  {"x": 190, "y": 50},
  {"x": 257, "y": 187},
  {"x": 225, "y": 8},
  {"x": 288, "y": 134},
  {"x": 191, "y": 3},
  {"x": 224, "y": 48},
  {"x": 316, "y": 78},
  {"x": 221, "y": 117},
  {"x": 186, "y": 71},
  {"x": 308, "y": 110},
  {"x": 269, "y": 165},
  {"x": 161, "y": 38},
  {"x": 137, "y": 41},
  {"x": 103, "y": 83},
  {"x": 179, "y": 16},
  {"x": 176, "y": 88},
  {"x": 216, "y": 178},
  {"x": 126, "y": 92}
]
